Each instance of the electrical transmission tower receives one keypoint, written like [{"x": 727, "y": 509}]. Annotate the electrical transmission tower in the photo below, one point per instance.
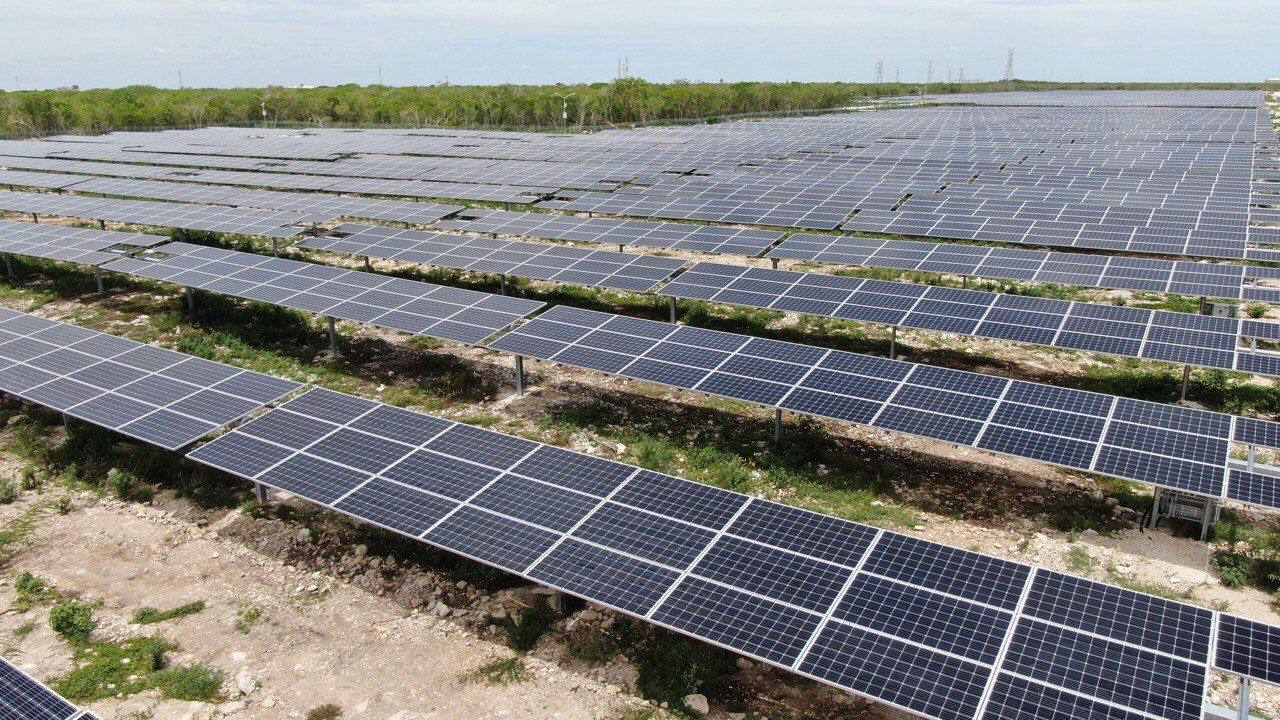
[
  {"x": 928, "y": 77},
  {"x": 1008, "y": 71},
  {"x": 961, "y": 79},
  {"x": 897, "y": 74},
  {"x": 880, "y": 72}
]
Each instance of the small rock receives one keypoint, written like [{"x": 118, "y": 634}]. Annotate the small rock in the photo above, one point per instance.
[
  {"x": 246, "y": 683},
  {"x": 745, "y": 664},
  {"x": 230, "y": 708},
  {"x": 360, "y": 551},
  {"x": 697, "y": 703},
  {"x": 239, "y": 656},
  {"x": 441, "y": 610},
  {"x": 304, "y": 535},
  {"x": 918, "y": 528},
  {"x": 736, "y": 716}
]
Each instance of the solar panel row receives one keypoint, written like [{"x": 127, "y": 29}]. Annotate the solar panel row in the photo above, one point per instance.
[
  {"x": 160, "y": 396},
  {"x": 942, "y": 632},
  {"x": 410, "y": 306},
  {"x": 71, "y": 244},
  {"x": 1235, "y": 282},
  {"x": 310, "y": 204},
  {"x": 593, "y": 268},
  {"x": 674, "y": 236},
  {"x": 165, "y": 214},
  {"x": 1199, "y": 340},
  {"x": 1162, "y": 445}
]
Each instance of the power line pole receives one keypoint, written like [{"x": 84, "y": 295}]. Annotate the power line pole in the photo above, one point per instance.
[
  {"x": 897, "y": 74},
  {"x": 961, "y": 74},
  {"x": 880, "y": 72},
  {"x": 379, "y": 74},
  {"x": 1008, "y": 71},
  {"x": 928, "y": 77}
]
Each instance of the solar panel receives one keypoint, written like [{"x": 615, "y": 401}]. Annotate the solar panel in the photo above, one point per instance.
[
  {"x": 1162, "y": 445},
  {"x": 942, "y": 632},
  {"x": 406, "y": 305},
  {"x": 160, "y": 396},
  {"x": 663, "y": 235},
  {"x": 1235, "y": 282},
  {"x": 71, "y": 244},
  {"x": 164, "y": 214},
  {"x": 596, "y": 268},
  {"x": 1132, "y": 332},
  {"x": 23, "y": 698},
  {"x": 309, "y": 204}
]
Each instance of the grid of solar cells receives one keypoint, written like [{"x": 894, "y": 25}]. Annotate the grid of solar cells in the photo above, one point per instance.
[
  {"x": 596, "y": 268},
  {"x": 80, "y": 245},
  {"x": 1162, "y": 445},
  {"x": 823, "y": 217},
  {"x": 160, "y": 396},
  {"x": 1100, "y": 98},
  {"x": 308, "y": 204},
  {"x": 675, "y": 236},
  {"x": 1130, "y": 332},
  {"x": 24, "y": 698},
  {"x": 919, "y": 625},
  {"x": 164, "y": 214},
  {"x": 410, "y": 306},
  {"x": 1235, "y": 282}
]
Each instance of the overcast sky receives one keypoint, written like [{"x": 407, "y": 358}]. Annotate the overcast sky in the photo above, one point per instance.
[{"x": 97, "y": 43}]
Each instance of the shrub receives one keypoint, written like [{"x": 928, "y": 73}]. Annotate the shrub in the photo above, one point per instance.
[
  {"x": 670, "y": 667},
  {"x": 72, "y": 620},
  {"x": 148, "y": 615},
  {"x": 328, "y": 711},
  {"x": 8, "y": 493},
  {"x": 195, "y": 683}
]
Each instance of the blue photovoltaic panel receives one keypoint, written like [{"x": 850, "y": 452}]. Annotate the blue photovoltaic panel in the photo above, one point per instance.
[
  {"x": 160, "y": 396},
  {"x": 1132, "y": 332},
  {"x": 408, "y": 305},
  {"x": 1162, "y": 445},
  {"x": 22, "y": 698},
  {"x": 907, "y": 621}
]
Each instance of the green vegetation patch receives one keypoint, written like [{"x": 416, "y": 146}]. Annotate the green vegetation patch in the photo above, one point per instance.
[
  {"x": 148, "y": 615},
  {"x": 109, "y": 669}
]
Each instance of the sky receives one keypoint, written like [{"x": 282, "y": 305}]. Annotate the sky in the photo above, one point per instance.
[{"x": 230, "y": 43}]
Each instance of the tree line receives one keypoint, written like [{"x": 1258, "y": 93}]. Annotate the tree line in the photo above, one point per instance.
[{"x": 623, "y": 101}]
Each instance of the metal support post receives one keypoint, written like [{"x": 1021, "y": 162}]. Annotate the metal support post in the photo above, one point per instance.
[
  {"x": 1244, "y": 699},
  {"x": 8, "y": 265},
  {"x": 502, "y": 284},
  {"x": 1186, "y": 380},
  {"x": 777, "y": 425},
  {"x": 333, "y": 339},
  {"x": 97, "y": 275},
  {"x": 102, "y": 224},
  {"x": 368, "y": 264},
  {"x": 964, "y": 281},
  {"x": 774, "y": 262},
  {"x": 1253, "y": 455},
  {"x": 621, "y": 247},
  {"x": 191, "y": 299},
  {"x": 35, "y": 218},
  {"x": 671, "y": 303},
  {"x": 261, "y": 491},
  {"x": 519, "y": 376},
  {"x": 275, "y": 247},
  {"x": 893, "y": 343}
]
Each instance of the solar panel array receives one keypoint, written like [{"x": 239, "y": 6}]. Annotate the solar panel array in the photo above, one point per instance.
[
  {"x": 164, "y": 214},
  {"x": 1234, "y": 282},
  {"x": 160, "y": 396},
  {"x": 596, "y": 268},
  {"x": 50, "y": 181},
  {"x": 1162, "y": 445},
  {"x": 942, "y": 632},
  {"x": 23, "y": 698},
  {"x": 1184, "y": 338},
  {"x": 72, "y": 244},
  {"x": 673, "y": 236},
  {"x": 408, "y": 305}
]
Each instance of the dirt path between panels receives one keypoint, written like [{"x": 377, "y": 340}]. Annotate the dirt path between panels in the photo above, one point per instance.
[{"x": 318, "y": 641}]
